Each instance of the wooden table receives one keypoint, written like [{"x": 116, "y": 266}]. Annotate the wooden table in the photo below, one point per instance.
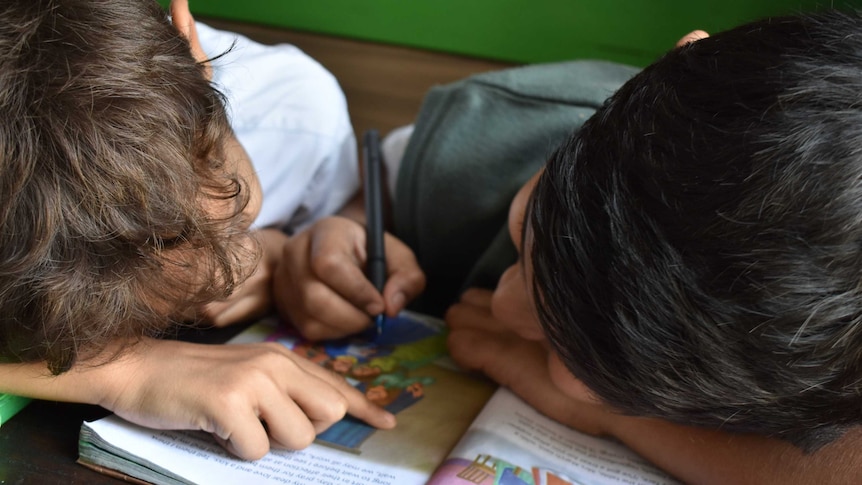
[{"x": 39, "y": 445}]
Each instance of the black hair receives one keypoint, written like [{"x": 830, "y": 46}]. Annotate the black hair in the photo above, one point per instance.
[{"x": 697, "y": 245}]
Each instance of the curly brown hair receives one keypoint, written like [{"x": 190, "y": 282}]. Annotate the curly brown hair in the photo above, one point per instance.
[{"x": 111, "y": 148}]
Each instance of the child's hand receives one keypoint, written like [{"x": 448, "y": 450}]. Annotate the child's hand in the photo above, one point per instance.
[
  {"x": 321, "y": 287},
  {"x": 253, "y": 298},
  {"x": 248, "y": 396},
  {"x": 479, "y": 341}
]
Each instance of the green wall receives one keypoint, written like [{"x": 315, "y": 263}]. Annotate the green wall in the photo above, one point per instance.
[{"x": 629, "y": 31}]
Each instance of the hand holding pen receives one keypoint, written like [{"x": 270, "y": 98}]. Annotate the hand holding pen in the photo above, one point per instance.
[{"x": 321, "y": 284}]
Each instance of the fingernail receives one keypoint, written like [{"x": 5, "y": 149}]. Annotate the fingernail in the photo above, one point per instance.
[{"x": 390, "y": 419}]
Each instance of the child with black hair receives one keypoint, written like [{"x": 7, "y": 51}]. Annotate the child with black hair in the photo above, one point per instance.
[
  {"x": 691, "y": 258},
  {"x": 688, "y": 269}
]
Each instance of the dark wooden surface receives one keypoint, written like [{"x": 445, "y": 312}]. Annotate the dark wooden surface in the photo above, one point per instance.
[
  {"x": 39, "y": 445},
  {"x": 384, "y": 86}
]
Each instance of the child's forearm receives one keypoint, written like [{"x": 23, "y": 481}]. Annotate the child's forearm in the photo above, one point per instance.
[
  {"x": 84, "y": 383},
  {"x": 226, "y": 390},
  {"x": 704, "y": 456}
]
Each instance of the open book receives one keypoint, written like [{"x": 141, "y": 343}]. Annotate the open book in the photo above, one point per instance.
[{"x": 453, "y": 429}]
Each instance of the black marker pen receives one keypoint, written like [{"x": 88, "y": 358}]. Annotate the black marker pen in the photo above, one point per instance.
[{"x": 376, "y": 263}]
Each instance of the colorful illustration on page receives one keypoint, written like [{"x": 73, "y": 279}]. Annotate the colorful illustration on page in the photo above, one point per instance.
[
  {"x": 487, "y": 470},
  {"x": 388, "y": 369}
]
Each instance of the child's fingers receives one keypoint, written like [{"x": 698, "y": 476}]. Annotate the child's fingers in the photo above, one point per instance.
[
  {"x": 488, "y": 352},
  {"x": 314, "y": 268},
  {"x": 479, "y": 297},
  {"x": 337, "y": 260},
  {"x": 522, "y": 366},
  {"x": 342, "y": 398},
  {"x": 511, "y": 361},
  {"x": 326, "y": 314},
  {"x": 474, "y": 313},
  {"x": 245, "y": 437},
  {"x": 361, "y": 408},
  {"x": 339, "y": 268},
  {"x": 226, "y": 312},
  {"x": 294, "y": 410},
  {"x": 295, "y": 418}
]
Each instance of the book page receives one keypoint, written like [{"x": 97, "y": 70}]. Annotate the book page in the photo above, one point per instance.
[
  {"x": 194, "y": 457},
  {"x": 512, "y": 443}
]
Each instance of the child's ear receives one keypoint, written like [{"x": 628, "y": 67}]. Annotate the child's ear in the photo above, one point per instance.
[
  {"x": 182, "y": 18},
  {"x": 692, "y": 37}
]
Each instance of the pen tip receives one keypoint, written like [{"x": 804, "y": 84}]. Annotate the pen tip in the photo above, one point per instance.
[{"x": 378, "y": 322}]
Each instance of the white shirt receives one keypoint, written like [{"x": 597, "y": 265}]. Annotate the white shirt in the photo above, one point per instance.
[{"x": 290, "y": 115}]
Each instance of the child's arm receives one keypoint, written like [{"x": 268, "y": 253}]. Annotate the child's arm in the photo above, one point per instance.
[
  {"x": 254, "y": 297},
  {"x": 706, "y": 456},
  {"x": 226, "y": 390},
  {"x": 695, "y": 455}
]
